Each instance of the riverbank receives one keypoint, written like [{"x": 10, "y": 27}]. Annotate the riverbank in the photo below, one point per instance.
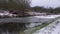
[
  {"x": 52, "y": 28},
  {"x": 39, "y": 27}
]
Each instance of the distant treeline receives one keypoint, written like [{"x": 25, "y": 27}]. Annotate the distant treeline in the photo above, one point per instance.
[{"x": 46, "y": 10}]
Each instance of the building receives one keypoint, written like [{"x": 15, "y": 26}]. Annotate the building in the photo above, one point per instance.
[{"x": 4, "y": 13}]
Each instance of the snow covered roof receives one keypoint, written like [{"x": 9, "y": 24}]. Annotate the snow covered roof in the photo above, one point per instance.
[{"x": 6, "y": 13}]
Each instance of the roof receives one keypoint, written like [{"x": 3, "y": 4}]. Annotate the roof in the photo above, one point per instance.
[{"x": 6, "y": 13}]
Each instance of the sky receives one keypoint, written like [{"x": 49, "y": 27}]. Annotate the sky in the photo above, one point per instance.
[{"x": 45, "y": 3}]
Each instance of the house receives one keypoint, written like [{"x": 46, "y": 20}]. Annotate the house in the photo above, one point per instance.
[{"x": 4, "y": 13}]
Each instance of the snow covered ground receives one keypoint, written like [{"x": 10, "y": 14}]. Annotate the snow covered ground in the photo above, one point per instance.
[
  {"x": 53, "y": 28},
  {"x": 47, "y": 16}
]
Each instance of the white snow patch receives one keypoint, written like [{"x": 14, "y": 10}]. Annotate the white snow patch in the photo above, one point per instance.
[
  {"x": 47, "y": 16},
  {"x": 53, "y": 28}
]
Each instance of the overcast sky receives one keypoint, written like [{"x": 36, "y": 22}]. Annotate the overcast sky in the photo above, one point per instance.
[{"x": 46, "y": 3}]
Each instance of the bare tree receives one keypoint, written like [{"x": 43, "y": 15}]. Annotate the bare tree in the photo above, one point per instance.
[{"x": 16, "y": 4}]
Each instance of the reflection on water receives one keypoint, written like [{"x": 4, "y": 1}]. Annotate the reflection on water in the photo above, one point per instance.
[{"x": 11, "y": 28}]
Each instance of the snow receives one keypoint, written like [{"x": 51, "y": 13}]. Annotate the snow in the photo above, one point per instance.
[
  {"x": 6, "y": 13},
  {"x": 1, "y": 14},
  {"x": 47, "y": 16},
  {"x": 57, "y": 30},
  {"x": 53, "y": 28}
]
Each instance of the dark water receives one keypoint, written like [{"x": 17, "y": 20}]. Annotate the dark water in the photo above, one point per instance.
[{"x": 11, "y": 28}]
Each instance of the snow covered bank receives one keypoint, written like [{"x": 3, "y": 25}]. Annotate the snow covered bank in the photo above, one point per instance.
[
  {"x": 53, "y": 28},
  {"x": 47, "y": 16}
]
